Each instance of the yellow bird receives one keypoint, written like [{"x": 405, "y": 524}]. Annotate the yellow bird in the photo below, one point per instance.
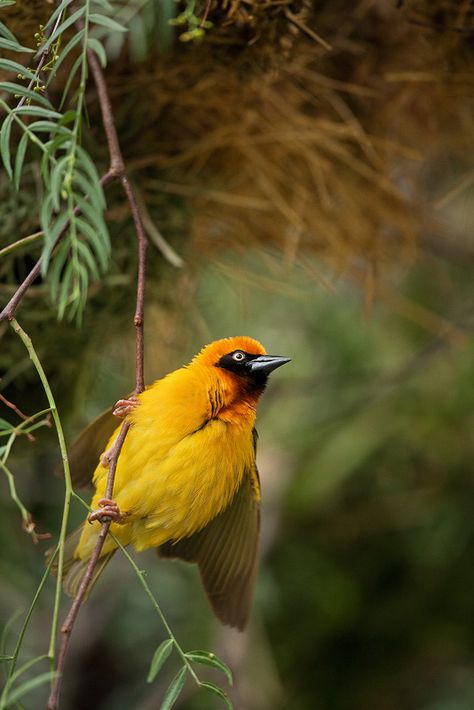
[{"x": 186, "y": 480}]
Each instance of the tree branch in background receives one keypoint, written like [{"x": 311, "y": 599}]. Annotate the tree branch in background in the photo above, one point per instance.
[{"x": 116, "y": 171}]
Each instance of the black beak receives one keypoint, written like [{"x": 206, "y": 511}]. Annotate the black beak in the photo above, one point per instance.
[{"x": 264, "y": 364}]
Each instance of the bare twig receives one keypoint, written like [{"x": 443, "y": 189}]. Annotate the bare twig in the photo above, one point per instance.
[
  {"x": 18, "y": 411},
  {"x": 295, "y": 20},
  {"x": 157, "y": 238},
  {"x": 116, "y": 170}
]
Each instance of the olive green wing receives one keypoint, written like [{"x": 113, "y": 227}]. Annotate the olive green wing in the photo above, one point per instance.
[
  {"x": 226, "y": 553},
  {"x": 85, "y": 451}
]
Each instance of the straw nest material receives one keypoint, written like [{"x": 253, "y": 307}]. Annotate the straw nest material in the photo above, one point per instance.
[{"x": 302, "y": 128}]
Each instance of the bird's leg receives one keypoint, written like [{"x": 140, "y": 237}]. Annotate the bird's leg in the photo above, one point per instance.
[
  {"x": 125, "y": 406},
  {"x": 109, "y": 511}
]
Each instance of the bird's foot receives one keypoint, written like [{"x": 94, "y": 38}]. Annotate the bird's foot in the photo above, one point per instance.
[
  {"x": 125, "y": 406},
  {"x": 121, "y": 409},
  {"x": 109, "y": 512}
]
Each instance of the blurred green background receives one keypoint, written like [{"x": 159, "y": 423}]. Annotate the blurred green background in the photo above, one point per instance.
[{"x": 364, "y": 596}]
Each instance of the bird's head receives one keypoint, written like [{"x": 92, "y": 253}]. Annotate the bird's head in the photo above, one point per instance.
[{"x": 242, "y": 361}]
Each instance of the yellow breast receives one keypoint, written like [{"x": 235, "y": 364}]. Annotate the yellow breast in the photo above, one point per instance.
[{"x": 181, "y": 463}]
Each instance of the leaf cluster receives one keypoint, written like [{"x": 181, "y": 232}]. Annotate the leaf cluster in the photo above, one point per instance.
[{"x": 76, "y": 247}]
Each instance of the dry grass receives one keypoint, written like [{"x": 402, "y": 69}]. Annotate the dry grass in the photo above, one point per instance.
[{"x": 275, "y": 141}]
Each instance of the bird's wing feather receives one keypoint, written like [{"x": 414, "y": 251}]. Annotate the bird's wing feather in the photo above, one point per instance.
[
  {"x": 226, "y": 553},
  {"x": 85, "y": 451}
]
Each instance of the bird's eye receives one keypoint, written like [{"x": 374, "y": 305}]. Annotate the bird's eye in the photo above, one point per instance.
[{"x": 238, "y": 356}]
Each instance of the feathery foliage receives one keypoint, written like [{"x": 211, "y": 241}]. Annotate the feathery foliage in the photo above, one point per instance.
[{"x": 76, "y": 247}]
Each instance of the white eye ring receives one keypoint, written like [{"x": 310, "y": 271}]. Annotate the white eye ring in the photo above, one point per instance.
[{"x": 239, "y": 356}]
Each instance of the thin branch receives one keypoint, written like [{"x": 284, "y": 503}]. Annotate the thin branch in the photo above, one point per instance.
[
  {"x": 67, "y": 476},
  {"x": 142, "y": 578},
  {"x": 294, "y": 19},
  {"x": 17, "y": 411},
  {"x": 67, "y": 627},
  {"x": 28, "y": 523},
  {"x": 116, "y": 170},
  {"x": 157, "y": 238}
]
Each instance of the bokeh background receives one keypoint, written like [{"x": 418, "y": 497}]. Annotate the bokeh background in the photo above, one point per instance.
[{"x": 349, "y": 251}]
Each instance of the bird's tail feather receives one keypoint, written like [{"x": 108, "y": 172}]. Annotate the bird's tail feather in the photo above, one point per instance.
[{"x": 74, "y": 568}]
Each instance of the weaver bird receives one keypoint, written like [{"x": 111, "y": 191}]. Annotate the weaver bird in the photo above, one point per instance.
[{"x": 186, "y": 480}]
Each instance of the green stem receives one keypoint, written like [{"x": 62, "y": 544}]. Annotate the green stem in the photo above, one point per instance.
[
  {"x": 152, "y": 598},
  {"x": 10, "y": 477},
  {"x": 16, "y": 430},
  {"x": 67, "y": 479},
  {"x": 33, "y": 138},
  {"x": 13, "y": 493},
  {"x": 23, "y": 428},
  {"x": 16, "y": 652},
  {"x": 81, "y": 93},
  {"x": 149, "y": 593},
  {"x": 21, "y": 243}
]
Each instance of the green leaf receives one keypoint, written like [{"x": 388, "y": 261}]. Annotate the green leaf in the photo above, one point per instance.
[
  {"x": 5, "y": 132},
  {"x": 94, "y": 217},
  {"x": 159, "y": 657},
  {"x": 30, "y": 685},
  {"x": 79, "y": 304},
  {"x": 209, "y": 659},
  {"x": 14, "y": 46},
  {"x": 95, "y": 196},
  {"x": 46, "y": 217},
  {"x": 3, "y": 659},
  {"x": 58, "y": 226},
  {"x": 37, "y": 111},
  {"x": 90, "y": 169},
  {"x": 95, "y": 241},
  {"x": 18, "y": 89},
  {"x": 212, "y": 688},
  {"x": 57, "y": 179},
  {"x": 64, "y": 53},
  {"x": 85, "y": 253},
  {"x": 17, "y": 68},
  {"x": 43, "y": 127},
  {"x": 68, "y": 117},
  {"x": 97, "y": 47},
  {"x": 105, "y": 4},
  {"x": 174, "y": 690},
  {"x": 105, "y": 21},
  {"x": 4, "y": 31},
  {"x": 56, "y": 269},
  {"x": 70, "y": 20},
  {"x": 19, "y": 160},
  {"x": 65, "y": 290},
  {"x": 72, "y": 73},
  {"x": 60, "y": 8}
]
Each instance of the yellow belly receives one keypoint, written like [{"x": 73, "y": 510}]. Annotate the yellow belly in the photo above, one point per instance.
[{"x": 167, "y": 492}]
